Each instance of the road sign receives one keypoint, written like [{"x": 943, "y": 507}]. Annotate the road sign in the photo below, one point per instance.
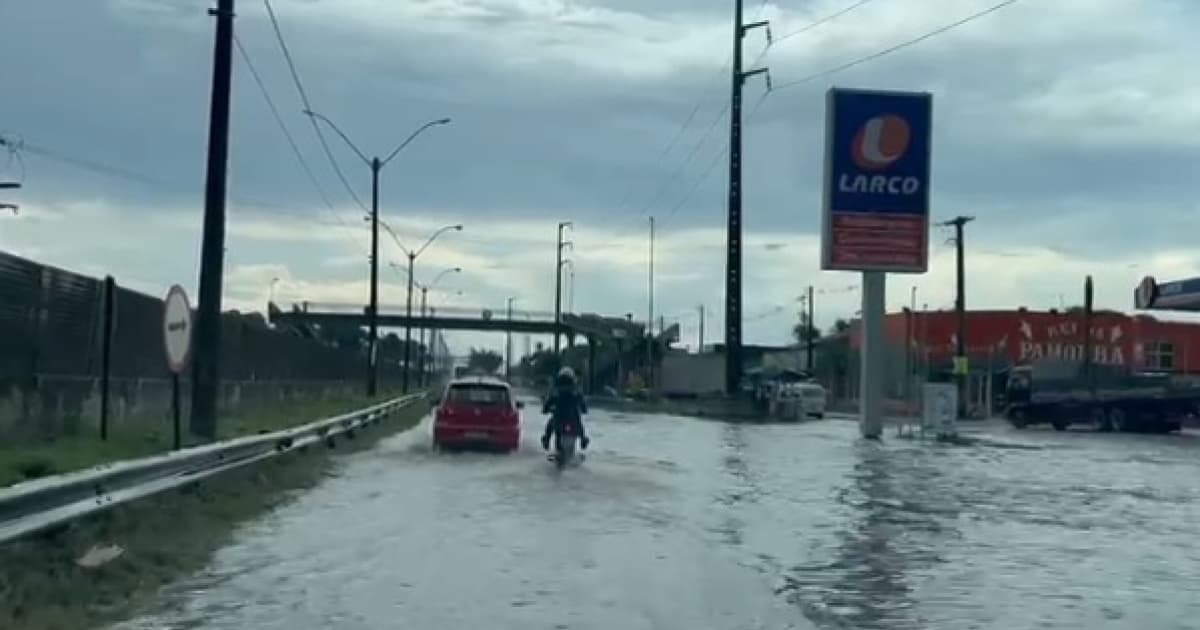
[
  {"x": 1179, "y": 295},
  {"x": 177, "y": 329},
  {"x": 875, "y": 214}
]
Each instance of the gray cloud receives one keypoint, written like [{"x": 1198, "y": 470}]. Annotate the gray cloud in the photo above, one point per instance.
[{"x": 1062, "y": 125}]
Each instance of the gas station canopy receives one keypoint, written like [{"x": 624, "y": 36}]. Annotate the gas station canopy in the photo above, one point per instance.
[{"x": 1177, "y": 295}]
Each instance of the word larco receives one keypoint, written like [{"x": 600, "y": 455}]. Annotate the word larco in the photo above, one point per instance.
[{"x": 879, "y": 184}]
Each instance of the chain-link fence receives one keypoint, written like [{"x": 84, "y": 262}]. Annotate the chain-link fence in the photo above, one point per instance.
[{"x": 51, "y": 340}]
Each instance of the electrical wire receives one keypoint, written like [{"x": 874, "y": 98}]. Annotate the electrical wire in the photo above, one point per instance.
[
  {"x": 845, "y": 66},
  {"x": 287, "y": 55},
  {"x": 292, "y": 142},
  {"x": 116, "y": 172},
  {"x": 887, "y": 51}
]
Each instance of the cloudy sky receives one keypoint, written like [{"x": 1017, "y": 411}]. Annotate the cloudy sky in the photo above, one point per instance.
[{"x": 1069, "y": 128}]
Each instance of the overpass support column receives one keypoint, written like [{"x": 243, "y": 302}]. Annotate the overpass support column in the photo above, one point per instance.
[{"x": 591, "y": 365}]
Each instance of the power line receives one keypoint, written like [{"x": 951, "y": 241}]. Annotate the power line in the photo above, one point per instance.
[
  {"x": 897, "y": 47},
  {"x": 101, "y": 168},
  {"x": 291, "y": 140},
  {"x": 287, "y": 55}
]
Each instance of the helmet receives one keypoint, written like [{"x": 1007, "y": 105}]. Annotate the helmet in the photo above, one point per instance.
[{"x": 566, "y": 376}]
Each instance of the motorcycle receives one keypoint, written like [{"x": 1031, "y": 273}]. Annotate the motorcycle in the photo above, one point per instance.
[{"x": 564, "y": 444}]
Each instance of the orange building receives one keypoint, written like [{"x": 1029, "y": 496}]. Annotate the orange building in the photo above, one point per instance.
[{"x": 999, "y": 339}]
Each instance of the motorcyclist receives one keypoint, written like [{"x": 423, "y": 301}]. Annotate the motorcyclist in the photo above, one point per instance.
[{"x": 565, "y": 404}]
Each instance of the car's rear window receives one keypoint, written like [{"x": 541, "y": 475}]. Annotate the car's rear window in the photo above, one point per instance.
[{"x": 477, "y": 394}]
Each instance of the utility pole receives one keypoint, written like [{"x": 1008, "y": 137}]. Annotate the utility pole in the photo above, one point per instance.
[
  {"x": 206, "y": 363},
  {"x": 558, "y": 265},
  {"x": 811, "y": 332},
  {"x": 508, "y": 343},
  {"x": 422, "y": 349},
  {"x": 733, "y": 236},
  {"x": 373, "y": 316},
  {"x": 960, "y": 306},
  {"x": 650, "y": 315},
  {"x": 700, "y": 348},
  {"x": 1087, "y": 336}
]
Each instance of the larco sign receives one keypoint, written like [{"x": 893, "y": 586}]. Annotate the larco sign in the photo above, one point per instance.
[{"x": 876, "y": 201}]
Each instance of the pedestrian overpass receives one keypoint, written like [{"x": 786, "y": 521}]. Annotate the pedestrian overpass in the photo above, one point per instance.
[{"x": 595, "y": 330}]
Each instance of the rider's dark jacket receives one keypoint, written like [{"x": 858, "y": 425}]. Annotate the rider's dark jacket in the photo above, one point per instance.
[{"x": 565, "y": 404}]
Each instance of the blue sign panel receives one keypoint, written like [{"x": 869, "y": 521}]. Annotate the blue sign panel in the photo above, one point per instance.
[
  {"x": 877, "y": 163},
  {"x": 1179, "y": 295}
]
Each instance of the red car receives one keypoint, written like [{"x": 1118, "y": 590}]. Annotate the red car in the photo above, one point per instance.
[{"x": 477, "y": 411}]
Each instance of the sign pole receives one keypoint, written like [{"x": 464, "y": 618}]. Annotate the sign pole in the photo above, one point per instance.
[
  {"x": 874, "y": 292},
  {"x": 177, "y": 341},
  {"x": 178, "y": 441}
]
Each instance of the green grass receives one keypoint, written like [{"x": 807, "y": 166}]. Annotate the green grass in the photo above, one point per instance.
[
  {"x": 138, "y": 437},
  {"x": 163, "y": 537}
]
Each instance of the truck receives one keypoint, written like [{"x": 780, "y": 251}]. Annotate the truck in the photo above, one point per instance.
[
  {"x": 1063, "y": 393},
  {"x": 692, "y": 375}
]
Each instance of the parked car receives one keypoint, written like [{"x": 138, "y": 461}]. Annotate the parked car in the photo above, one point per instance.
[
  {"x": 477, "y": 411},
  {"x": 793, "y": 401}
]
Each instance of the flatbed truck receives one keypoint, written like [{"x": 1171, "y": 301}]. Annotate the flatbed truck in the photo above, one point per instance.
[{"x": 1107, "y": 400}]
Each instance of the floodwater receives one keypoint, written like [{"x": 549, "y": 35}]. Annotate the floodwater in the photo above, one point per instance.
[{"x": 681, "y": 523}]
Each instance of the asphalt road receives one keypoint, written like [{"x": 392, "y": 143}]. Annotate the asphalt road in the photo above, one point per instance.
[{"x": 688, "y": 524}]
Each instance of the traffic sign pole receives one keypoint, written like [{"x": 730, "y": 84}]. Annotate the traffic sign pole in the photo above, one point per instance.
[{"x": 177, "y": 341}]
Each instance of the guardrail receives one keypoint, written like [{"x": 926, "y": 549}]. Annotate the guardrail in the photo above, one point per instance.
[{"x": 41, "y": 504}]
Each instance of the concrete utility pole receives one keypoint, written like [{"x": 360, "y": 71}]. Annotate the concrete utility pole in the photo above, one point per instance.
[
  {"x": 733, "y": 236},
  {"x": 558, "y": 265},
  {"x": 650, "y": 316},
  {"x": 1088, "y": 359},
  {"x": 811, "y": 332},
  {"x": 376, "y": 165},
  {"x": 961, "y": 367},
  {"x": 206, "y": 362}
]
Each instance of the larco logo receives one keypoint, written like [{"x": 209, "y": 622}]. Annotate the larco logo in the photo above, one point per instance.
[{"x": 879, "y": 143}]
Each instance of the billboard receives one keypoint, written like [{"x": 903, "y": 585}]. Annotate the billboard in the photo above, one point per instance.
[
  {"x": 1179, "y": 295},
  {"x": 875, "y": 214}
]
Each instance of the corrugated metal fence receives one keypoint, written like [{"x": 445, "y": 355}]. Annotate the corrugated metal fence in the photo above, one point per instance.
[{"x": 51, "y": 328}]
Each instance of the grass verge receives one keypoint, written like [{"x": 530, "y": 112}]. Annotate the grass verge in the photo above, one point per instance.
[
  {"x": 139, "y": 437},
  {"x": 163, "y": 537}
]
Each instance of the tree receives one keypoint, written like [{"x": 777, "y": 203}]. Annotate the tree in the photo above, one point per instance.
[
  {"x": 805, "y": 332},
  {"x": 486, "y": 361},
  {"x": 840, "y": 326}
]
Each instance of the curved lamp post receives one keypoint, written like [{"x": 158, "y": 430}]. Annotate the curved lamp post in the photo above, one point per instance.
[{"x": 376, "y": 165}]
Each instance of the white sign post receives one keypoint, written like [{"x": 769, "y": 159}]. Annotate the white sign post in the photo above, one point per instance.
[{"x": 177, "y": 340}]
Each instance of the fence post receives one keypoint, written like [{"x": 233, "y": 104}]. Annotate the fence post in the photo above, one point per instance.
[{"x": 110, "y": 295}]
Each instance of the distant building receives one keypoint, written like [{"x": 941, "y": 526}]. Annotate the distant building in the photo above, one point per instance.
[{"x": 998, "y": 340}]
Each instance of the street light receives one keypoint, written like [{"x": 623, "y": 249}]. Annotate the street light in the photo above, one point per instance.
[
  {"x": 424, "y": 294},
  {"x": 376, "y": 165},
  {"x": 412, "y": 258},
  {"x": 508, "y": 341},
  {"x": 558, "y": 265}
]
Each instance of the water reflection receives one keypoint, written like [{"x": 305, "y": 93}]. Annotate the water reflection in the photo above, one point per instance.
[
  {"x": 740, "y": 486},
  {"x": 897, "y": 524}
]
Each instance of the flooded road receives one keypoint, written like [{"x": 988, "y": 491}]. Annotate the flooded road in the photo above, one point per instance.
[{"x": 680, "y": 523}]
